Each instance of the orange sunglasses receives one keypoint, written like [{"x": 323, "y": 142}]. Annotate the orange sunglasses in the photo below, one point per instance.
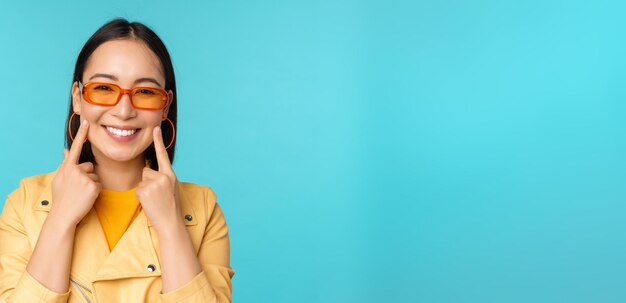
[{"x": 109, "y": 94}]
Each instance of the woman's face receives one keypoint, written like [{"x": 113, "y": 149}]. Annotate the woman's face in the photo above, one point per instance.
[{"x": 127, "y": 63}]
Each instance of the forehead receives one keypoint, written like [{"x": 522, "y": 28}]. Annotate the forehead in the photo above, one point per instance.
[{"x": 125, "y": 59}]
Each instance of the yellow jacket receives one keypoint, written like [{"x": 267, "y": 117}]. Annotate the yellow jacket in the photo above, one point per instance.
[{"x": 129, "y": 273}]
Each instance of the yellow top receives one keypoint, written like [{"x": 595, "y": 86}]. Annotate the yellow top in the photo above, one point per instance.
[{"x": 116, "y": 211}]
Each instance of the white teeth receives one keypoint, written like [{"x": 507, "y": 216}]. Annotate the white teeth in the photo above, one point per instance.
[{"x": 120, "y": 132}]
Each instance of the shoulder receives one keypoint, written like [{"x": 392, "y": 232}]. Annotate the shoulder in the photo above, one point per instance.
[
  {"x": 197, "y": 196},
  {"x": 202, "y": 199},
  {"x": 198, "y": 192},
  {"x": 30, "y": 191},
  {"x": 32, "y": 187}
]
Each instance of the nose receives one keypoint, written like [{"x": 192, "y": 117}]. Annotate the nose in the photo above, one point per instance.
[{"x": 124, "y": 109}]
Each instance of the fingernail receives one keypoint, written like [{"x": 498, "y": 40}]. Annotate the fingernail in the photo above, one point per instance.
[
  {"x": 158, "y": 130},
  {"x": 84, "y": 123}
]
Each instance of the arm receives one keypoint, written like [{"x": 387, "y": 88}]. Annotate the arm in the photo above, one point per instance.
[
  {"x": 16, "y": 283},
  {"x": 43, "y": 276},
  {"x": 179, "y": 263},
  {"x": 74, "y": 189},
  {"x": 213, "y": 283},
  {"x": 185, "y": 277},
  {"x": 52, "y": 256}
]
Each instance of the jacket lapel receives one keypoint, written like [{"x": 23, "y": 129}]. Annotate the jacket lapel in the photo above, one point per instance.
[
  {"x": 133, "y": 256},
  {"x": 90, "y": 247}
]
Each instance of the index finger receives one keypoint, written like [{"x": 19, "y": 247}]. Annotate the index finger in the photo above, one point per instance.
[
  {"x": 77, "y": 145},
  {"x": 161, "y": 153}
]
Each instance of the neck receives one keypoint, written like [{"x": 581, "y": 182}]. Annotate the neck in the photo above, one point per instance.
[{"x": 118, "y": 175}]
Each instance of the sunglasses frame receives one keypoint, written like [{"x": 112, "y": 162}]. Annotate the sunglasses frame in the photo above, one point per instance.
[{"x": 122, "y": 93}]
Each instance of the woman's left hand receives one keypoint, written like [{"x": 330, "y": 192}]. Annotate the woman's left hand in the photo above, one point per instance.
[{"x": 158, "y": 190}]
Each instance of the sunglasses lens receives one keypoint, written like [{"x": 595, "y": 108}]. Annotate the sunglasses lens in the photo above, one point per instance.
[
  {"x": 149, "y": 98},
  {"x": 102, "y": 93}
]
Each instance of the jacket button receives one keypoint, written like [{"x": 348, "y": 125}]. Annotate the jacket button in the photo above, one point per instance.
[
  {"x": 151, "y": 268},
  {"x": 188, "y": 217},
  {"x": 44, "y": 202}
]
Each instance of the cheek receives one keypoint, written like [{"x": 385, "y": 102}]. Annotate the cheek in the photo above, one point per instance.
[
  {"x": 92, "y": 117},
  {"x": 151, "y": 122},
  {"x": 90, "y": 112},
  {"x": 154, "y": 121}
]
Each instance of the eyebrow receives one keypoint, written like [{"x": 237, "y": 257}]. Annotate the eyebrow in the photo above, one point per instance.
[{"x": 114, "y": 78}]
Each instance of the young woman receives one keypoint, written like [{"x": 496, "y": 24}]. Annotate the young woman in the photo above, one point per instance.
[{"x": 112, "y": 223}]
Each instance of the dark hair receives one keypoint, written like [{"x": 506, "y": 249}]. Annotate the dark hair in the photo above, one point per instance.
[{"x": 122, "y": 29}]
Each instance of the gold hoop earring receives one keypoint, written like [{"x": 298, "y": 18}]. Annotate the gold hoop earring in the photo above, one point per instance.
[
  {"x": 69, "y": 126},
  {"x": 173, "y": 132}
]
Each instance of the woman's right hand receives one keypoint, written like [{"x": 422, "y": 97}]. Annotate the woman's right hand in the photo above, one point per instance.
[{"x": 75, "y": 187}]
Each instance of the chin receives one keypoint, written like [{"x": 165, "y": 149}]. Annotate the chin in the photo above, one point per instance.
[{"x": 120, "y": 156}]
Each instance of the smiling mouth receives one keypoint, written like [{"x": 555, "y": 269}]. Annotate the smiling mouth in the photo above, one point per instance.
[{"x": 121, "y": 132}]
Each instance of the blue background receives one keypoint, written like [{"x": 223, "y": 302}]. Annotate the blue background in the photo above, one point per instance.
[{"x": 373, "y": 151}]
